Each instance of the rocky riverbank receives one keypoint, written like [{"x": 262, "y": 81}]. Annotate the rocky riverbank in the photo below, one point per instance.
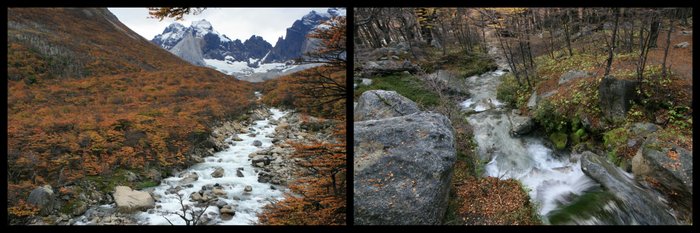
[{"x": 270, "y": 162}]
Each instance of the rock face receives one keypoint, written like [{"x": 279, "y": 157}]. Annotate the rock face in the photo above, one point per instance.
[
  {"x": 520, "y": 125},
  {"x": 128, "y": 200},
  {"x": 637, "y": 201},
  {"x": 669, "y": 169},
  {"x": 43, "y": 198},
  {"x": 571, "y": 75},
  {"x": 403, "y": 167},
  {"x": 378, "y": 104},
  {"x": 532, "y": 102},
  {"x": 616, "y": 96},
  {"x": 295, "y": 43},
  {"x": 189, "y": 49}
]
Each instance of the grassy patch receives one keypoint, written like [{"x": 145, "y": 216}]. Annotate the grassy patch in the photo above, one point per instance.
[
  {"x": 406, "y": 85},
  {"x": 467, "y": 64},
  {"x": 106, "y": 183},
  {"x": 146, "y": 184}
]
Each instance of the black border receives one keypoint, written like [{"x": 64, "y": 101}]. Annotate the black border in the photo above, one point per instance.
[{"x": 349, "y": 5}]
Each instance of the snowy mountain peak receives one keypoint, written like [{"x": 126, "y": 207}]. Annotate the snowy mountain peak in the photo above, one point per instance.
[
  {"x": 335, "y": 11},
  {"x": 313, "y": 18},
  {"x": 203, "y": 25},
  {"x": 174, "y": 27}
]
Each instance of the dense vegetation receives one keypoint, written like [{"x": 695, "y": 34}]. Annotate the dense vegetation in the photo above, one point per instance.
[{"x": 639, "y": 45}]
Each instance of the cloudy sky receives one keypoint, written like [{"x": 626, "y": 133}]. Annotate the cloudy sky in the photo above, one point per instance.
[{"x": 236, "y": 23}]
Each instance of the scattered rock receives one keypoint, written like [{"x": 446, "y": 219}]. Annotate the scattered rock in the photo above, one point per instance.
[
  {"x": 154, "y": 175},
  {"x": 131, "y": 177},
  {"x": 79, "y": 208},
  {"x": 189, "y": 178},
  {"x": 128, "y": 200},
  {"x": 402, "y": 169},
  {"x": 571, "y": 75},
  {"x": 227, "y": 212},
  {"x": 642, "y": 129},
  {"x": 218, "y": 172},
  {"x": 236, "y": 138},
  {"x": 221, "y": 203},
  {"x": 43, "y": 198},
  {"x": 218, "y": 191},
  {"x": 248, "y": 188},
  {"x": 682, "y": 45},
  {"x": 378, "y": 104},
  {"x": 239, "y": 172},
  {"x": 257, "y": 143}
]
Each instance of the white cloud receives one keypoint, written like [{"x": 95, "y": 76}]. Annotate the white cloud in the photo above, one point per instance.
[{"x": 236, "y": 23}]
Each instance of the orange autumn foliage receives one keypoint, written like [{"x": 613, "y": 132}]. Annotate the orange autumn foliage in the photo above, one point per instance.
[
  {"x": 319, "y": 195},
  {"x": 97, "y": 97}
]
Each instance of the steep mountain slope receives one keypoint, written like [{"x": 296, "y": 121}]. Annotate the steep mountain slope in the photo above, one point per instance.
[
  {"x": 295, "y": 43},
  {"x": 90, "y": 100}
]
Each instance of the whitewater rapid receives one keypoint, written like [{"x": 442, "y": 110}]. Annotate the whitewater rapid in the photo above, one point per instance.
[{"x": 247, "y": 204}]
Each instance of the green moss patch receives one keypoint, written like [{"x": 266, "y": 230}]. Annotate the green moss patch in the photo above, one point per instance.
[{"x": 406, "y": 85}]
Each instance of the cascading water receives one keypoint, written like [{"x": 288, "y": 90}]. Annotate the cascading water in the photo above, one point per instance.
[
  {"x": 563, "y": 193},
  {"x": 553, "y": 181},
  {"x": 247, "y": 204}
]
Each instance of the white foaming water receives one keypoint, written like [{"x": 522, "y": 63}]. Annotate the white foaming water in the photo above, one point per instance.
[
  {"x": 247, "y": 205},
  {"x": 551, "y": 181},
  {"x": 467, "y": 103}
]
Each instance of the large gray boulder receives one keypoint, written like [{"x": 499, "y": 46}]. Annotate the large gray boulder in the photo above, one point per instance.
[
  {"x": 571, "y": 75},
  {"x": 378, "y": 104},
  {"x": 616, "y": 96},
  {"x": 635, "y": 205},
  {"x": 402, "y": 168},
  {"x": 520, "y": 125},
  {"x": 43, "y": 198},
  {"x": 128, "y": 200},
  {"x": 668, "y": 169}
]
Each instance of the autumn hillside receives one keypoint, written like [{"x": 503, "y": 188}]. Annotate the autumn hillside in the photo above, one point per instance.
[{"x": 90, "y": 100}]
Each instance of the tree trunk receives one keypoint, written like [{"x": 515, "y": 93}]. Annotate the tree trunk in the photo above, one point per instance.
[
  {"x": 655, "y": 25},
  {"x": 668, "y": 44},
  {"x": 568, "y": 34},
  {"x": 611, "y": 48}
]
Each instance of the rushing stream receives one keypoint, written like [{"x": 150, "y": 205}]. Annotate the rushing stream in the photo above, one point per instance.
[
  {"x": 554, "y": 180},
  {"x": 246, "y": 203}
]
